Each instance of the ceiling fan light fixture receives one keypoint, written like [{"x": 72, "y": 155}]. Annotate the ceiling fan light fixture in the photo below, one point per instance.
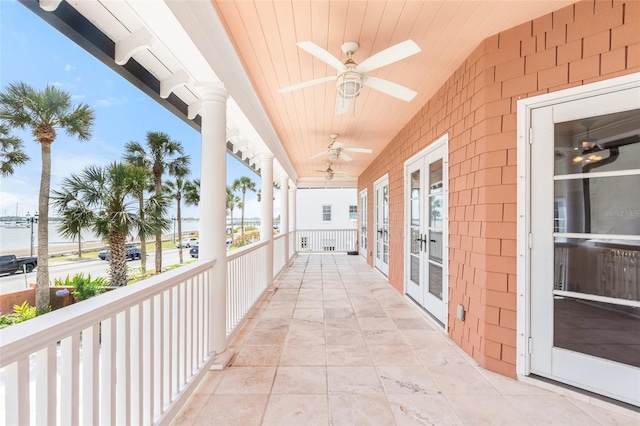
[
  {"x": 334, "y": 154},
  {"x": 328, "y": 175},
  {"x": 588, "y": 143},
  {"x": 349, "y": 84}
]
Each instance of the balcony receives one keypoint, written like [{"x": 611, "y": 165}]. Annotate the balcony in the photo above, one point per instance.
[{"x": 329, "y": 343}]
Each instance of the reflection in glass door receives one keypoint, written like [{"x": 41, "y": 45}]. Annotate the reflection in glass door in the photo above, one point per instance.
[
  {"x": 585, "y": 313},
  {"x": 381, "y": 230},
  {"x": 426, "y": 233},
  {"x": 363, "y": 223}
]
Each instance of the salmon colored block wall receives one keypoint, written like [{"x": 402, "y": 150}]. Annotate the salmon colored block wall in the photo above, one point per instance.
[{"x": 579, "y": 44}]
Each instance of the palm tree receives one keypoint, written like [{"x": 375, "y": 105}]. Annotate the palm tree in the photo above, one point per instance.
[
  {"x": 192, "y": 192},
  {"x": 146, "y": 215},
  {"x": 232, "y": 202},
  {"x": 243, "y": 184},
  {"x": 164, "y": 155},
  {"x": 75, "y": 218},
  {"x": 44, "y": 111},
  {"x": 110, "y": 194},
  {"x": 11, "y": 152},
  {"x": 175, "y": 189}
]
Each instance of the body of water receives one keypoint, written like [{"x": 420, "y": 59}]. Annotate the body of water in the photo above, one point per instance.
[{"x": 20, "y": 238}]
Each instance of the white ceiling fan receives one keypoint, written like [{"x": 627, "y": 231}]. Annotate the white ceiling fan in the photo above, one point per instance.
[
  {"x": 329, "y": 172},
  {"x": 336, "y": 150},
  {"x": 351, "y": 76}
]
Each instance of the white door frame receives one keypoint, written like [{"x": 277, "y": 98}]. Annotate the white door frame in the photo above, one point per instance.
[
  {"x": 378, "y": 181},
  {"x": 525, "y": 138},
  {"x": 363, "y": 214},
  {"x": 441, "y": 142}
]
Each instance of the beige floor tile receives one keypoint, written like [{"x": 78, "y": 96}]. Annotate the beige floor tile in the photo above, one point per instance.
[
  {"x": 412, "y": 324},
  {"x": 611, "y": 416},
  {"x": 301, "y": 380},
  {"x": 305, "y": 337},
  {"x": 309, "y": 314},
  {"x": 441, "y": 356},
  {"x": 361, "y": 409},
  {"x": 419, "y": 410},
  {"x": 246, "y": 380},
  {"x": 306, "y": 325},
  {"x": 209, "y": 383},
  {"x": 277, "y": 313},
  {"x": 282, "y": 304},
  {"x": 191, "y": 412},
  {"x": 267, "y": 337},
  {"x": 303, "y": 355},
  {"x": 376, "y": 324},
  {"x": 550, "y": 409},
  {"x": 508, "y": 386},
  {"x": 353, "y": 380},
  {"x": 337, "y": 304},
  {"x": 407, "y": 380},
  {"x": 393, "y": 355},
  {"x": 258, "y": 355},
  {"x": 344, "y": 337},
  {"x": 273, "y": 324},
  {"x": 348, "y": 355},
  {"x": 419, "y": 339},
  {"x": 370, "y": 312},
  {"x": 383, "y": 337},
  {"x": 342, "y": 323},
  {"x": 339, "y": 313},
  {"x": 309, "y": 304},
  {"x": 247, "y": 410},
  {"x": 307, "y": 410},
  {"x": 460, "y": 380},
  {"x": 405, "y": 312},
  {"x": 486, "y": 410}
]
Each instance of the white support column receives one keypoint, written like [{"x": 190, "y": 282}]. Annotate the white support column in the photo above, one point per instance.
[
  {"x": 213, "y": 195},
  {"x": 266, "y": 211},
  {"x": 284, "y": 214},
  {"x": 292, "y": 209}
]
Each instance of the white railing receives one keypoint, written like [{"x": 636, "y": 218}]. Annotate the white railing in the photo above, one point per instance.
[
  {"x": 326, "y": 240},
  {"x": 292, "y": 242},
  {"x": 246, "y": 281},
  {"x": 128, "y": 356},
  {"x": 278, "y": 253}
]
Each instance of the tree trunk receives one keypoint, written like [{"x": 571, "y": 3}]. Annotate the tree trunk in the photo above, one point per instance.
[
  {"x": 178, "y": 199},
  {"x": 242, "y": 219},
  {"x": 158, "y": 181},
  {"x": 42, "y": 277},
  {"x": 118, "y": 259},
  {"x": 143, "y": 238},
  {"x": 231, "y": 225},
  {"x": 80, "y": 244}
]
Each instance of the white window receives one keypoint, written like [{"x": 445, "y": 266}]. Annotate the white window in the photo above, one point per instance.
[
  {"x": 326, "y": 213},
  {"x": 353, "y": 212}
]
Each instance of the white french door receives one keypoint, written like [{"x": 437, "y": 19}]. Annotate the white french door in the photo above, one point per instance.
[
  {"x": 363, "y": 246},
  {"x": 381, "y": 225},
  {"x": 426, "y": 230},
  {"x": 585, "y": 243}
]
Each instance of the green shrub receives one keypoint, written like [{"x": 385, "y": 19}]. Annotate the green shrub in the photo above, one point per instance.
[
  {"x": 250, "y": 228},
  {"x": 84, "y": 287},
  {"x": 23, "y": 312},
  {"x": 5, "y": 320}
]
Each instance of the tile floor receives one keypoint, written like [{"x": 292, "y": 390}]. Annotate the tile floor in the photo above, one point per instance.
[{"x": 336, "y": 345}]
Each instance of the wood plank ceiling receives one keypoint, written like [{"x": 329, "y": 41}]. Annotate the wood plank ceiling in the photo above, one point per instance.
[{"x": 265, "y": 33}]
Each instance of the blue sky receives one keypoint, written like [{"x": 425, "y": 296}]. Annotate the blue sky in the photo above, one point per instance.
[{"x": 34, "y": 52}]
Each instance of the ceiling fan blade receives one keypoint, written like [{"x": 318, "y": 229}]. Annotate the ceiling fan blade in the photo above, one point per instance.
[
  {"x": 362, "y": 150},
  {"x": 342, "y": 105},
  {"x": 337, "y": 145},
  {"x": 390, "y": 88},
  {"x": 390, "y": 55},
  {"x": 321, "y": 54},
  {"x": 345, "y": 157},
  {"x": 320, "y": 154},
  {"x": 306, "y": 84}
]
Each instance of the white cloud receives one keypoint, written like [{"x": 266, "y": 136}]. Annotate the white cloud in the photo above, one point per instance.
[
  {"x": 112, "y": 102},
  {"x": 78, "y": 97},
  {"x": 69, "y": 67}
]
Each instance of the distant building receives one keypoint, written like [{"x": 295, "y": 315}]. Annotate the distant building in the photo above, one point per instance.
[{"x": 320, "y": 208}]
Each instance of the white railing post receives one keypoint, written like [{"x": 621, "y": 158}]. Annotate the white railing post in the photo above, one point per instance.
[
  {"x": 213, "y": 210},
  {"x": 266, "y": 210}
]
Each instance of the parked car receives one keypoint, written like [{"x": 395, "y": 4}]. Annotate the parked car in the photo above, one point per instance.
[
  {"x": 187, "y": 242},
  {"x": 103, "y": 255},
  {"x": 194, "y": 251},
  {"x": 10, "y": 264},
  {"x": 133, "y": 253}
]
